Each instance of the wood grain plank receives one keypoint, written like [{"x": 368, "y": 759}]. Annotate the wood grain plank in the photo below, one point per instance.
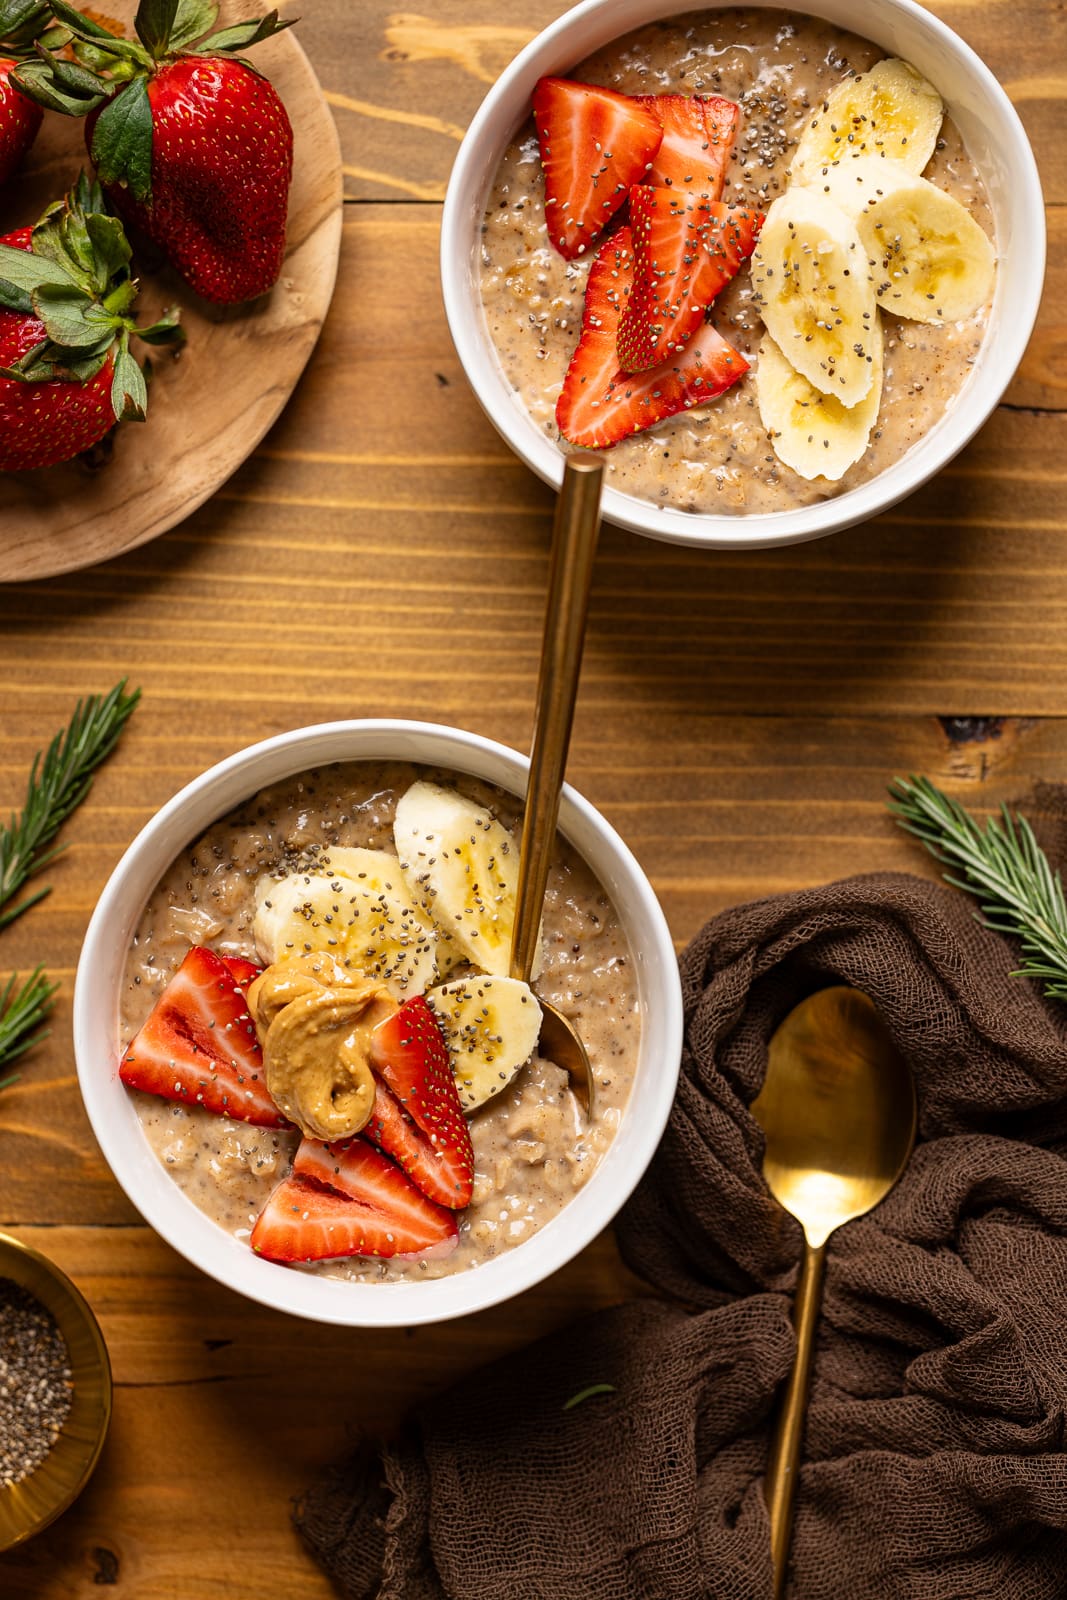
[
  {"x": 424, "y": 72},
  {"x": 1041, "y": 380},
  {"x": 363, "y": 566},
  {"x": 225, "y": 1410}
]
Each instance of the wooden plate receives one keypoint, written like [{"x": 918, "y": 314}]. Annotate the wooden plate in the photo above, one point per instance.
[{"x": 209, "y": 409}]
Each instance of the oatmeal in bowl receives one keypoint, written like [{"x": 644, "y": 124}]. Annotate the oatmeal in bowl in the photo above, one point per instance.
[
  {"x": 303, "y": 1055},
  {"x": 777, "y": 266}
]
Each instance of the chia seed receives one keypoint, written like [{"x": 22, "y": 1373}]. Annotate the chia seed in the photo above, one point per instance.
[{"x": 35, "y": 1383}]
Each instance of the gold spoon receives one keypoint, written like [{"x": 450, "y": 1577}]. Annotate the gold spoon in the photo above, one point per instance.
[
  {"x": 839, "y": 1114},
  {"x": 574, "y": 540}
]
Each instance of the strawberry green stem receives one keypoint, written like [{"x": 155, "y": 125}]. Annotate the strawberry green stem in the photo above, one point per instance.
[{"x": 121, "y": 298}]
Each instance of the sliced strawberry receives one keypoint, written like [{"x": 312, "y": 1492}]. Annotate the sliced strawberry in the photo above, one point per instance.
[
  {"x": 304, "y": 1222},
  {"x": 594, "y": 145},
  {"x": 698, "y": 138},
  {"x": 685, "y": 251},
  {"x": 599, "y": 404},
  {"x": 199, "y": 1045},
  {"x": 355, "y": 1169},
  {"x": 446, "y": 1182},
  {"x": 243, "y": 972},
  {"x": 408, "y": 1049}
]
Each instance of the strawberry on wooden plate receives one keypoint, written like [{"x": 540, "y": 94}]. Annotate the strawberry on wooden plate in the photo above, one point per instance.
[
  {"x": 421, "y": 1122},
  {"x": 594, "y": 144},
  {"x": 67, "y": 373},
  {"x": 22, "y": 23},
  {"x": 20, "y": 121},
  {"x": 192, "y": 144},
  {"x": 599, "y": 403},
  {"x": 698, "y": 138},
  {"x": 54, "y": 419},
  {"x": 304, "y": 1222},
  {"x": 199, "y": 1045},
  {"x": 686, "y": 250}
]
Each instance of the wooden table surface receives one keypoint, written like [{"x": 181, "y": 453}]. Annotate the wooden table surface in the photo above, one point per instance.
[{"x": 382, "y": 554}]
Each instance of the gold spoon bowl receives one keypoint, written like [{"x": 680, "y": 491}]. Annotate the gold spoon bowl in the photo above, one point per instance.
[{"x": 28, "y": 1507}]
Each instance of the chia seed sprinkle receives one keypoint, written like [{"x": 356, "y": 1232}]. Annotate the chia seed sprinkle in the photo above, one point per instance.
[{"x": 35, "y": 1383}]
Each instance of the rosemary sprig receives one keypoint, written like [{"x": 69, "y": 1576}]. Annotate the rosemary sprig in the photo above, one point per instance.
[
  {"x": 1003, "y": 865},
  {"x": 22, "y": 1011},
  {"x": 587, "y": 1394},
  {"x": 59, "y": 781}
]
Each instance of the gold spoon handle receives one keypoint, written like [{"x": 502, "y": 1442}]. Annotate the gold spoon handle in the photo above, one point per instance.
[
  {"x": 780, "y": 1482},
  {"x": 574, "y": 540}
]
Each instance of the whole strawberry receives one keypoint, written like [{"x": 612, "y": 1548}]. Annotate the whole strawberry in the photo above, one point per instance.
[
  {"x": 50, "y": 421},
  {"x": 21, "y": 21},
  {"x": 66, "y": 372},
  {"x": 192, "y": 145},
  {"x": 20, "y": 121}
]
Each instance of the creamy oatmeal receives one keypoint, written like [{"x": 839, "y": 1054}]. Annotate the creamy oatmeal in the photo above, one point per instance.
[
  {"x": 533, "y": 1149},
  {"x": 779, "y": 66}
]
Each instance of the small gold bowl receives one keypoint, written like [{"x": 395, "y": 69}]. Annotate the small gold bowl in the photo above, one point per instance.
[{"x": 29, "y": 1506}]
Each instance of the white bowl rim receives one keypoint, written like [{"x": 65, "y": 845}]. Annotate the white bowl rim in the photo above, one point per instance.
[
  {"x": 547, "y": 53},
  {"x": 202, "y": 1241}
]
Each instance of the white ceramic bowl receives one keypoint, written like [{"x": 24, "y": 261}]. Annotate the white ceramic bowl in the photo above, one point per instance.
[
  {"x": 96, "y": 1016},
  {"x": 994, "y": 137}
]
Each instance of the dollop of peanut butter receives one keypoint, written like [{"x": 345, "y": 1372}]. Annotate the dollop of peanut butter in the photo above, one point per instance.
[
  {"x": 314, "y": 1019},
  {"x": 288, "y": 979}
]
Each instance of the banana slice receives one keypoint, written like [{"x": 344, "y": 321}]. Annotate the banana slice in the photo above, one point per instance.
[
  {"x": 932, "y": 262},
  {"x": 380, "y": 873},
  {"x": 357, "y": 907},
  {"x": 491, "y": 1025},
  {"x": 890, "y": 111},
  {"x": 815, "y": 292},
  {"x": 379, "y": 870},
  {"x": 811, "y": 432},
  {"x": 463, "y": 867},
  {"x": 853, "y": 185},
  {"x": 376, "y": 871}
]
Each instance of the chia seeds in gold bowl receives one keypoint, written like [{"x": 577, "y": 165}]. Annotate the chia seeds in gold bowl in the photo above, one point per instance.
[{"x": 55, "y": 1392}]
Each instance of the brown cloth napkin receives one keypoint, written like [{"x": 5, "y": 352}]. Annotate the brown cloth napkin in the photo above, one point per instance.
[{"x": 933, "y": 1461}]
